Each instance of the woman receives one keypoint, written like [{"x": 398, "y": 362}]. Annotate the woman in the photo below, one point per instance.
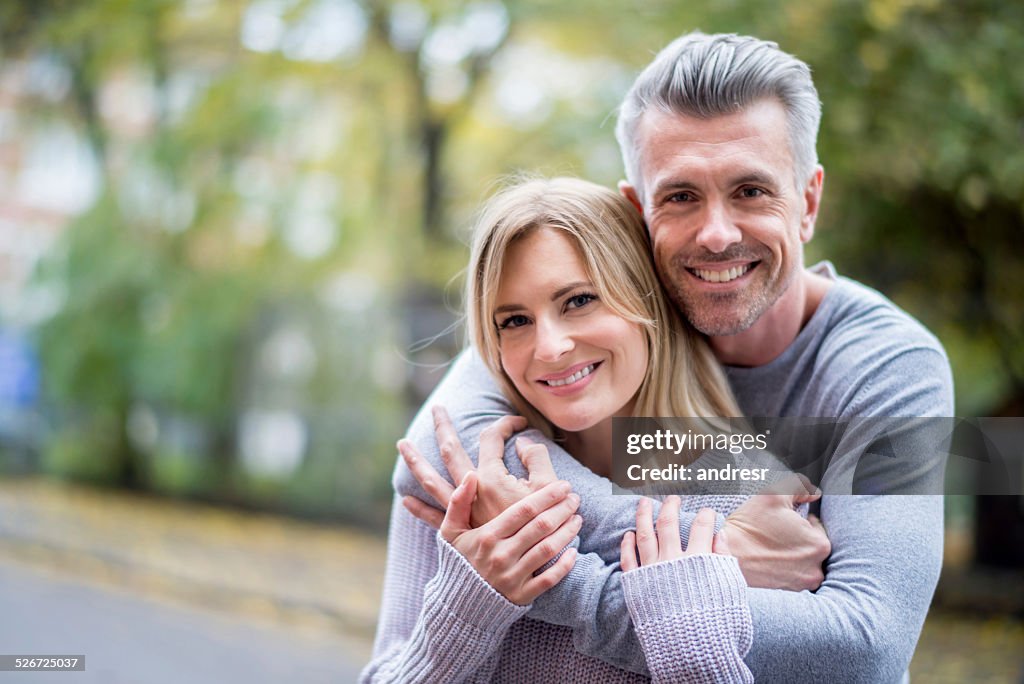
[{"x": 567, "y": 313}]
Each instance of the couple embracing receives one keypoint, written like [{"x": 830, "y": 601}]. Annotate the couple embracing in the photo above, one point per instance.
[{"x": 683, "y": 294}]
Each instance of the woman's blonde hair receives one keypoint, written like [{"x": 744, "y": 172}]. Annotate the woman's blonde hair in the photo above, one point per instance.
[{"x": 683, "y": 377}]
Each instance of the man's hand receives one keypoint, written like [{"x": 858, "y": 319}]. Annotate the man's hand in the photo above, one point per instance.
[
  {"x": 497, "y": 489},
  {"x": 776, "y": 547}
]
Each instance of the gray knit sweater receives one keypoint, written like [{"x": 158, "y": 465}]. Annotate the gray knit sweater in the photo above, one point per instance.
[{"x": 859, "y": 355}]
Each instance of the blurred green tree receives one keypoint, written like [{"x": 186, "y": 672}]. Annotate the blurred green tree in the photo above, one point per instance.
[{"x": 276, "y": 166}]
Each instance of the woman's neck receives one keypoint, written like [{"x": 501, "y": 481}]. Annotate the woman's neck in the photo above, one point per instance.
[{"x": 593, "y": 447}]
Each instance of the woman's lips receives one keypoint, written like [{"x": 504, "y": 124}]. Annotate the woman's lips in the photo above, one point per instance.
[{"x": 571, "y": 379}]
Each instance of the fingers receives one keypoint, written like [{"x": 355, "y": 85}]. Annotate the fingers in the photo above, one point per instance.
[
  {"x": 796, "y": 487},
  {"x": 536, "y": 460},
  {"x": 545, "y": 524},
  {"x": 422, "y": 511},
  {"x": 824, "y": 543},
  {"x": 646, "y": 542},
  {"x": 547, "y": 548},
  {"x": 519, "y": 514},
  {"x": 669, "y": 546},
  {"x": 492, "y": 443},
  {"x": 627, "y": 552},
  {"x": 810, "y": 492},
  {"x": 550, "y": 577},
  {"x": 432, "y": 482},
  {"x": 456, "y": 519},
  {"x": 454, "y": 456},
  {"x": 702, "y": 532},
  {"x": 721, "y": 543}
]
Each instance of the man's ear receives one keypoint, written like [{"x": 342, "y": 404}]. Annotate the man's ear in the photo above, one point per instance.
[
  {"x": 812, "y": 202},
  {"x": 629, "y": 192}
]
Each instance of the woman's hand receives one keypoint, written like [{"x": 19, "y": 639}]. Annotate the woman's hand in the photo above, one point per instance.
[
  {"x": 497, "y": 489},
  {"x": 655, "y": 547},
  {"x": 509, "y": 549}
]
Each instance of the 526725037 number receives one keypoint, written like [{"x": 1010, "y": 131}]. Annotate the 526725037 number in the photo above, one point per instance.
[{"x": 50, "y": 663}]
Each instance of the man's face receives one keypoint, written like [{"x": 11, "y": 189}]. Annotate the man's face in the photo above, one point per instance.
[{"x": 726, "y": 220}]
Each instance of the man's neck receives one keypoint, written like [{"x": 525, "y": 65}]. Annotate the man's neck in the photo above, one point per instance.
[{"x": 777, "y": 328}]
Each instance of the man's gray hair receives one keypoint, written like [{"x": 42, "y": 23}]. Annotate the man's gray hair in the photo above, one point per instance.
[{"x": 705, "y": 76}]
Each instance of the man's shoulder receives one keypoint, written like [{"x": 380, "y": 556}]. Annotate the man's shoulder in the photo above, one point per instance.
[
  {"x": 882, "y": 355},
  {"x": 864, "y": 322}
]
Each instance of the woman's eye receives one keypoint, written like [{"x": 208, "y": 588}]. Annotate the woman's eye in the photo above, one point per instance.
[
  {"x": 579, "y": 301},
  {"x": 516, "y": 321}
]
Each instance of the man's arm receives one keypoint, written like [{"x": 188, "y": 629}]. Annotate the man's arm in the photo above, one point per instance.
[{"x": 590, "y": 598}]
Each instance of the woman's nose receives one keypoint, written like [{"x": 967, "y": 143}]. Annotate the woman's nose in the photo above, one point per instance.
[{"x": 553, "y": 340}]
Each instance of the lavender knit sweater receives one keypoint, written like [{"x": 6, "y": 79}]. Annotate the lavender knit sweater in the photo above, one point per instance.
[{"x": 858, "y": 356}]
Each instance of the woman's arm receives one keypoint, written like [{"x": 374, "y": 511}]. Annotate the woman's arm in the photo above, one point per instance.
[
  {"x": 450, "y": 630},
  {"x": 439, "y": 621},
  {"x": 688, "y": 606}
]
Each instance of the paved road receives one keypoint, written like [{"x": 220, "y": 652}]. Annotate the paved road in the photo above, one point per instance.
[{"x": 127, "y": 638}]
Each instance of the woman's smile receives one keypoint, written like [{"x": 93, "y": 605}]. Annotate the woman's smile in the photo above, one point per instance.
[{"x": 570, "y": 356}]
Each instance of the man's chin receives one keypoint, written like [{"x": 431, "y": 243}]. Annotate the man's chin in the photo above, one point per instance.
[
  {"x": 719, "y": 321},
  {"x": 720, "y": 327}
]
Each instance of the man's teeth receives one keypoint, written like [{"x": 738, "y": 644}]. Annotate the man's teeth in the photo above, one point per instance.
[
  {"x": 721, "y": 276},
  {"x": 575, "y": 377}
]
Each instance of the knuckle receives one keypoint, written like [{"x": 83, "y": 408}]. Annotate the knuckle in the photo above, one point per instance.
[
  {"x": 547, "y": 549},
  {"x": 544, "y": 525},
  {"x": 501, "y": 559}
]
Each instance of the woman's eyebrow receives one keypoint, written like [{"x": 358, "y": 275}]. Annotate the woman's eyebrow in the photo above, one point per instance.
[
  {"x": 556, "y": 295},
  {"x": 562, "y": 291},
  {"x": 507, "y": 307}
]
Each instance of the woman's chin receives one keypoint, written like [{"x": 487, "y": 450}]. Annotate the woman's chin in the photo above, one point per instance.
[{"x": 571, "y": 424}]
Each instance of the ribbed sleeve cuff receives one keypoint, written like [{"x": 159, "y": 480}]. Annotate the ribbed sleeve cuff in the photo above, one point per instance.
[
  {"x": 467, "y": 595},
  {"x": 696, "y": 583}
]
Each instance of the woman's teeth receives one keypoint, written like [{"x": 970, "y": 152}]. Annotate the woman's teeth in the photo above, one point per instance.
[
  {"x": 721, "y": 276},
  {"x": 575, "y": 377}
]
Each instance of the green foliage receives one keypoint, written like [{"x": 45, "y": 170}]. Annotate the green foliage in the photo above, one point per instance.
[{"x": 248, "y": 191}]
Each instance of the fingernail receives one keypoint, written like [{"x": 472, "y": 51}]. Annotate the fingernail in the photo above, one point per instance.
[
  {"x": 564, "y": 488},
  {"x": 574, "y": 497},
  {"x": 577, "y": 520}
]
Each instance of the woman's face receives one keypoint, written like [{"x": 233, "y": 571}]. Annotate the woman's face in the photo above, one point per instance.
[{"x": 568, "y": 354}]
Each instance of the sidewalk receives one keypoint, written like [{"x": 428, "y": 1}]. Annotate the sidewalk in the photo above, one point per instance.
[{"x": 254, "y": 564}]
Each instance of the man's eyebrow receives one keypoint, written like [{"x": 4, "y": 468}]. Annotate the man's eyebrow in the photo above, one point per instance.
[
  {"x": 755, "y": 178},
  {"x": 556, "y": 295},
  {"x": 746, "y": 178},
  {"x": 673, "y": 185}
]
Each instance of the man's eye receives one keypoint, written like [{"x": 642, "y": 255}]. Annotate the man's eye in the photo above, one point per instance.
[
  {"x": 751, "y": 192},
  {"x": 680, "y": 197},
  {"x": 579, "y": 301},
  {"x": 514, "y": 321}
]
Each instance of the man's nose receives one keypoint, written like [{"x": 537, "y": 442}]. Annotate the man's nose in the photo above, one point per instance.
[
  {"x": 553, "y": 340},
  {"x": 718, "y": 231}
]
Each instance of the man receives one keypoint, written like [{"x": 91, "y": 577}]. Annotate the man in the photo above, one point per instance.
[{"x": 718, "y": 138}]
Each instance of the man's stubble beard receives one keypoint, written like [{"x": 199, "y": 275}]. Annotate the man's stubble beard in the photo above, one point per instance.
[{"x": 705, "y": 312}]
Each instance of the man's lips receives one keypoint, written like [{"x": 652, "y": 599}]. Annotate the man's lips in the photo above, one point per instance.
[
  {"x": 570, "y": 375},
  {"x": 722, "y": 273}
]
